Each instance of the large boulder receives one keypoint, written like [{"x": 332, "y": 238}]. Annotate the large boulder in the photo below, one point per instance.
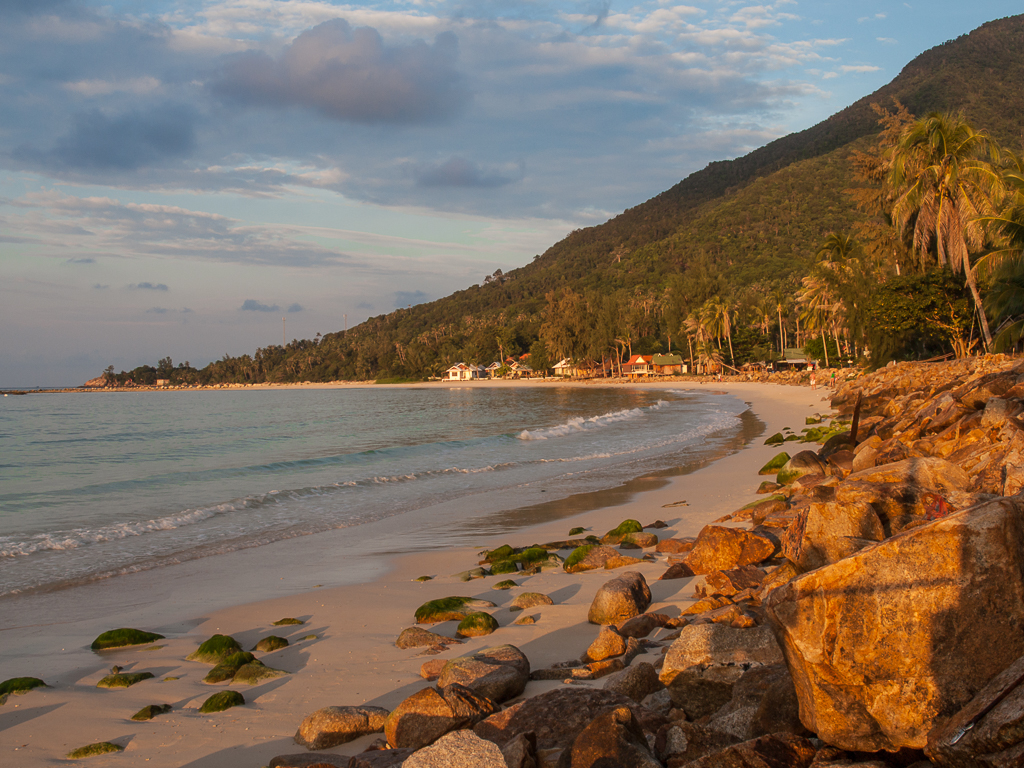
[
  {"x": 719, "y": 548},
  {"x": 763, "y": 701},
  {"x": 613, "y": 738},
  {"x": 589, "y": 557},
  {"x": 458, "y": 749},
  {"x": 638, "y": 681},
  {"x": 826, "y": 533},
  {"x": 777, "y": 749},
  {"x": 804, "y": 463},
  {"x": 331, "y": 726},
  {"x": 619, "y": 599},
  {"x": 499, "y": 673},
  {"x": 416, "y": 637},
  {"x": 889, "y": 641},
  {"x": 429, "y": 714},
  {"x": 929, "y": 472}
]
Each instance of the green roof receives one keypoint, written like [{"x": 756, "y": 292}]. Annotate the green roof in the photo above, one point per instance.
[{"x": 667, "y": 360}]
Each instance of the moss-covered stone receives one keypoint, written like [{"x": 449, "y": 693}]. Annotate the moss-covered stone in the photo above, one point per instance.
[
  {"x": 775, "y": 463},
  {"x": 593, "y": 539},
  {"x": 150, "y": 711},
  {"x": 506, "y": 584},
  {"x": 503, "y": 566},
  {"x": 91, "y": 750},
  {"x": 119, "y": 638},
  {"x": 424, "y": 578},
  {"x": 504, "y": 552},
  {"x": 221, "y": 701},
  {"x": 256, "y": 672},
  {"x": 767, "y": 486},
  {"x": 816, "y": 435},
  {"x": 626, "y": 526},
  {"x": 776, "y": 439},
  {"x": 288, "y": 622},
  {"x": 815, "y": 419},
  {"x": 449, "y": 609},
  {"x": 270, "y": 644},
  {"x": 227, "y": 668},
  {"x": 20, "y": 685},
  {"x": 577, "y": 555},
  {"x": 123, "y": 679},
  {"x": 477, "y": 625},
  {"x": 794, "y": 438},
  {"x": 471, "y": 574},
  {"x": 215, "y": 650},
  {"x": 309, "y": 637},
  {"x": 576, "y": 531}
]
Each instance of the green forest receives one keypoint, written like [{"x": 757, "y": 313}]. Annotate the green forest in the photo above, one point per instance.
[{"x": 892, "y": 230}]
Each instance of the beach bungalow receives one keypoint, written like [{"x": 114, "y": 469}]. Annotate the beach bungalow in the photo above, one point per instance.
[
  {"x": 794, "y": 359},
  {"x": 668, "y": 365},
  {"x": 464, "y": 372},
  {"x": 639, "y": 366},
  {"x": 491, "y": 370},
  {"x": 565, "y": 367}
]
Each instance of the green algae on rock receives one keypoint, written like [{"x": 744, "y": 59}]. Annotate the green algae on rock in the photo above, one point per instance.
[
  {"x": 506, "y": 584},
  {"x": 119, "y": 638},
  {"x": 576, "y": 556},
  {"x": 777, "y": 462},
  {"x": 626, "y": 526},
  {"x": 255, "y": 672},
  {"x": 91, "y": 750},
  {"x": 228, "y": 666},
  {"x": 215, "y": 650},
  {"x": 424, "y": 578},
  {"x": 471, "y": 574},
  {"x": 576, "y": 531},
  {"x": 504, "y": 566},
  {"x": 530, "y": 600},
  {"x": 271, "y": 643},
  {"x": 19, "y": 685},
  {"x": 150, "y": 711},
  {"x": 477, "y": 625},
  {"x": 221, "y": 701},
  {"x": 123, "y": 679},
  {"x": 449, "y": 609},
  {"x": 287, "y": 622},
  {"x": 309, "y": 637},
  {"x": 776, "y": 439}
]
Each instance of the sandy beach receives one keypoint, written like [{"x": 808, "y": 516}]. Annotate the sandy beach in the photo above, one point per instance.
[{"x": 355, "y": 590}]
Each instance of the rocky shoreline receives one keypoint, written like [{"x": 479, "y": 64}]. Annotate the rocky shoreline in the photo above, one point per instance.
[{"x": 865, "y": 611}]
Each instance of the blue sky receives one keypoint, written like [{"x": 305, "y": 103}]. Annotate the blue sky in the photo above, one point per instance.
[{"x": 177, "y": 176}]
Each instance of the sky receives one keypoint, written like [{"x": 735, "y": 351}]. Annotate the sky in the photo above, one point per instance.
[{"x": 195, "y": 178}]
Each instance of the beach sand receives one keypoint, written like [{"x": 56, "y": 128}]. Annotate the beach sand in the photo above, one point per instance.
[{"x": 355, "y": 590}]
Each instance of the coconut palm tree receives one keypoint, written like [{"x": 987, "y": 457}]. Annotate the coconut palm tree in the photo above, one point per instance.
[{"x": 944, "y": 176}]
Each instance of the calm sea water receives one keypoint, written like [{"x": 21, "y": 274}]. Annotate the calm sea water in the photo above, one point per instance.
[{"x": 97, "y": 484}]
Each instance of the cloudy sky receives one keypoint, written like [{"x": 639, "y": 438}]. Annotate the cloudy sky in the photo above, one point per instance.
[{"x": 185, "y": 177}]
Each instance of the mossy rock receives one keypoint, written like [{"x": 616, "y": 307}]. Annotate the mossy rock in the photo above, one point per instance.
[
  {"x": 534, "y": 554},
  {"x": 576, "y": 555},
  {"x": 504, "y": 566},
  {"x": 449, "y": 609},
  {"x": 504, "y": 552},
  {"x": 150, "y": 711},
  {"x": 815, "y": 419},
  {"x": 477, "y": 625},
  {"x": 309, "y": 637},
  {"x": 776, "y": 439},
  {"x": 816, "y": 434},
  {"x": 119, "y": 638},
  {"x": 787, "y": 476},
  {"x": 424, "y": 578},
  {"x": 794, "y": 438},
  {"x": 91, "y": 750},
  {"x": 288, "y": 622},
  {"x": 775, "y": 463},
  {"x": 576, "y": 531},
  {"x": 215, "y": 650},
  {"x": 593, "y": 539},
  {"x": 228, "y": 667},
  {"x": 768, "y": 486},
  {"x": 506, "y": 584},
  {"x": 773, "y": 497},
  {"x": 270, "y": 644},
  {"x": 626, "y": 526},
  {"x": 256, "y": 672},
  {"x": 471, "y": 574},
  {"x": 221, "y": 701},
  {"x": 19, "y": 685},
  {"x": 123, "y": 679}
]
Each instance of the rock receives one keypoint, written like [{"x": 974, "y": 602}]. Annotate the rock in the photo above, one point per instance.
[
  {"x": 677, "y": 571},
  {"x": 996, "y": 412},
  {"x": 477, "y": 625},
  {"x": 150, "y": 711},
  {"x": 763, "y": 702},
  {"x": 228, "y": 667},
  {"x": 679, "y": 743},
  {"x": 803, "y": 463},
  {"x": 620, "y": 599},
  {"x": 728, "y": 583},
  {"x": 831, "y": 532},
  {"x": 119, "y": 638},
  {"x": 609, "y": 643},
  {"x": 416, "y": 637},
  {"x": 637, "y": 681},
  {"x": 431, "y": 669},
  {"x": 221, "y": 701},
  {"x": 530, "y": 600},
  {"x": 429, "y": 714},
  {"x": 521, "y": 752},
  {"x": 620, "y": 561},
  {"x": 719, "y": 549},
  {"x": 525, "y": 620},
  {"x": 781, "y": 750},
  {"x": 449, "y": 609},
  {"x": 642, "y": 625},
  {"x": 506, "y": 584},
  {"x": 288, "y": 622},
  {"x": 331, "y": 726},
  {"x": 499, "y": 673},
  {"x": 458, "y": 749},
  {"x": 270, "y": 644},
  {"x": 865, "y": 458},
  {"x": 98, "y": 748},
  {"x": 123, "y": 679},
  {"x": 612, "y": 739},
  {"x": 306, "y": 760},
  {"x": 626, "y": 526},
  {"x": 20, "y": 685},
  {"x": 657, "y": 524},
  {"x": 477, "y": 573},
  {"x": 215, "y": 650},
  {"x": 256, "y": 672},
  {"x": 890, "y": 641},
  {"x": 675, "y": 546},
  {"x": 777, "y": 462},
  {"x": 588, "y": 557},
  {"x": 928, "y": 472},
  {"x": 557, "y": 716},
  {"x": 776, "y": 439}
]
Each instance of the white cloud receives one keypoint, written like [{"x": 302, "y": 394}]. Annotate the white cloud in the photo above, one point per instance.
[{"x": 859, "y": 68}]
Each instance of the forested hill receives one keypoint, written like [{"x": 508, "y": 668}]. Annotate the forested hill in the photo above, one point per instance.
[{"x": 737, "y": 229}]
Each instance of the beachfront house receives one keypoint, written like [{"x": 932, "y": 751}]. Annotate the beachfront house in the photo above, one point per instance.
[
  {"x": 464, "y": 372},
  {"x": 668, "y": 365},
  {"x": 492, "y": 370},
  {"x": 793, "y": 359},
  {"x": 639, "y": 366}
]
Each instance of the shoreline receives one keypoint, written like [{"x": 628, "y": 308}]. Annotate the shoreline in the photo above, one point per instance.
[{"x": 354, "y": 639}]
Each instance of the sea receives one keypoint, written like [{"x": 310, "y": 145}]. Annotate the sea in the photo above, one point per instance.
[{"x": 95, "y": 485}]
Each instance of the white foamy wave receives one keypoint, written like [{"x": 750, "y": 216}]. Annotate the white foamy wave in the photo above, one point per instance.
[{"x": 579, "y": 424}]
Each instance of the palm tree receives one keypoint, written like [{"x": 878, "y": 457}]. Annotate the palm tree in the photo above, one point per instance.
[
  {"x": 944, "y": 176},
  {"x": 1006, "y": 261}
]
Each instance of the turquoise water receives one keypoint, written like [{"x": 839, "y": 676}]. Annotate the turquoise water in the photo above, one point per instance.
[{"x": 97, "y": 484}]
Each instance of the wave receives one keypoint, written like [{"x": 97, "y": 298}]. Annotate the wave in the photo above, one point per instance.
[{"x": 580, "y": 424}]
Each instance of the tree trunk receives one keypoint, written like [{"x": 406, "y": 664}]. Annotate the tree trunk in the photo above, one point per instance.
[{"x": 972, "y": 283}]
